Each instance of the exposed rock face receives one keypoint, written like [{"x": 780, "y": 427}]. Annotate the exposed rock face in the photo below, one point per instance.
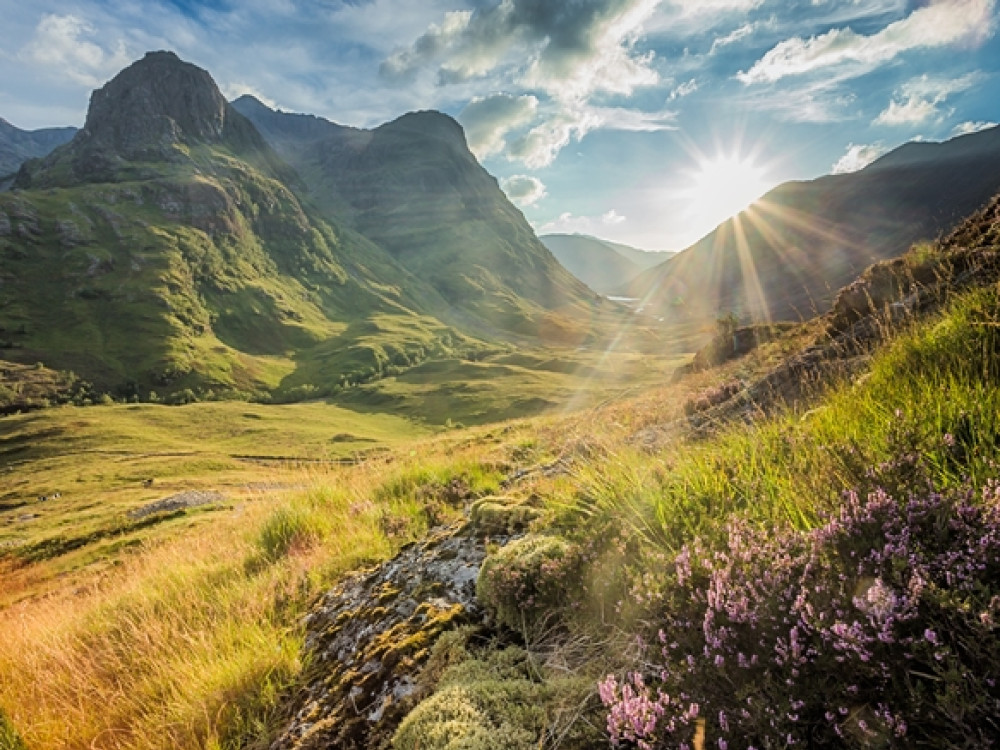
[
  {"x": 369, "y": 639},
  {"x": 157, "y": 99},
  {"x": 143, "y": 115}
]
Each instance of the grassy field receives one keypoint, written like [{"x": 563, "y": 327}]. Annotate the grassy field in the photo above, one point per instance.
[{"x": 187, "y": 625}]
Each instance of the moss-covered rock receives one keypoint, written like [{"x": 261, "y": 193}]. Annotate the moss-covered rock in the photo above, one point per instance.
[
  {"x": 370, "y": 639},
  {"x": 528, "y": 584},
  {"x": 501, "y": 515},
  {"x": 500, "y": 699}
]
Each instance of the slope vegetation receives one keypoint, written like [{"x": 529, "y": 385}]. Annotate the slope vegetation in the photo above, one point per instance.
[
  {"x": 724, "y": 561},
  {"x": 413, "y": 187},
  {"x": 164, "y": 249},
  {"x": 785, "y": 257}
]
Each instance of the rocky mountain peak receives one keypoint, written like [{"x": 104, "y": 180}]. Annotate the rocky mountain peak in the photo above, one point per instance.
[{"x": 154, "y": 103}]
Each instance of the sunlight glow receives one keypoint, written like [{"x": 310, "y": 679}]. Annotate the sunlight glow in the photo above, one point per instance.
[{"x": 723, "y": 186}]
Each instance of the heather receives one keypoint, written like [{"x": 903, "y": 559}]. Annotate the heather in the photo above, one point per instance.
[
  {"x": 878, "y": 628},
  {"x": 846, "y": 590}
]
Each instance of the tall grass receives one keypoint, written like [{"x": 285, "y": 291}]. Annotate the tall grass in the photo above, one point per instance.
[
  {"x": 191, "y": 644},
  {"x": 935, "y": 385}
]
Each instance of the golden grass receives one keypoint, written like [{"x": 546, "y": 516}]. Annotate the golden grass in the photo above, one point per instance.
[{"x": 188, "y": 643}]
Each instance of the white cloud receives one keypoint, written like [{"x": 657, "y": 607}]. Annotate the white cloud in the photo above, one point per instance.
[
  {"x": 917, "y": 100},
  {"x": 858, "y": 156},
  {"x": 940, "y": 23},
  {"x": 703, "y": 7},
  {"x": 964, "y": 128},
  {"x": 237, "y": 89},
  {"x": 488, "y": 120},
  {"x": 563, "y": 123},
  {"x": 732, "y": 37},
  {"x": 568, "y": 223},
  {"x": 688, "y": 87},
  {"x": 570, "y": 51},
  {"x": 63, "y": 44},
  {"x": 524, "y": 190}
]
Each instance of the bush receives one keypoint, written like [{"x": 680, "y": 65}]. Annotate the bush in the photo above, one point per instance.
[
  {"x": 497, "y": 701},
  {"x": 528, "y": 583},
  {"x": 290, "y": 528},
  {"x": 881, "y": 628}
]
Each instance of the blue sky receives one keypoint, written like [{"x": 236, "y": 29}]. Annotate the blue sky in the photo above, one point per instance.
[{"x": 642, "y": 121}]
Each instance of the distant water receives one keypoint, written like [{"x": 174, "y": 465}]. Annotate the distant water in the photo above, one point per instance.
[{"x": 624, "y": 300}]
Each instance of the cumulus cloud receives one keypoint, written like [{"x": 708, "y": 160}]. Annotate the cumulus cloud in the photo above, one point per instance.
[
  {"x": 858, "y": 156},
  {"x": 964, "y": 128},
  {"x": 64, "y": 44},
  {"x": 523, "y": 189},
  {"x": 569, "y": 50},
  {"x": 918, "y": 100},
  {"x": 487, "y": 120},
  {"x": 937, "y": 24}
]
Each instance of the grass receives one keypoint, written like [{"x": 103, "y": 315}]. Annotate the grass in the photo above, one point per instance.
[
  {"x": 189, "y": 635},
  {"x": 187, "y": 626},
  {"x": 192, "y": 643}
]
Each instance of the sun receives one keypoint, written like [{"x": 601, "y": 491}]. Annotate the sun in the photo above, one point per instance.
[{"x": 722, "y": 186}]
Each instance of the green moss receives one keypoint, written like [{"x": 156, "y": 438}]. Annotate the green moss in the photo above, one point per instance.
[
  {"x": 499, "y": 515},
  {"x": 496, "y": 701},
  {"x": 528, "y": 583}
]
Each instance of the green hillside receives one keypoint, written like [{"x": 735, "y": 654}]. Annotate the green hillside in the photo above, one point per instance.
[
  {"x": 167, "y": 252},
  {"x": 413, "y": 187}
]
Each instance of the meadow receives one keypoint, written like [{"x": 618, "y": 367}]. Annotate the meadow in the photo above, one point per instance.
[{"x": 806, "y": 557}]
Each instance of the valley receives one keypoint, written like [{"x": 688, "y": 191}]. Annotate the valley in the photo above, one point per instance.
[{"x": 307, "y": 440}]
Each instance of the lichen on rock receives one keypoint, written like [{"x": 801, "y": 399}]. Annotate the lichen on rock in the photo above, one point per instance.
[{"x": 369, "y": 640}]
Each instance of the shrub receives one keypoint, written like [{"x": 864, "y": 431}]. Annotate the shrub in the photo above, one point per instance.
[
  {"x": 528, "y": 583},
  {"x": 881, "y": 628}
]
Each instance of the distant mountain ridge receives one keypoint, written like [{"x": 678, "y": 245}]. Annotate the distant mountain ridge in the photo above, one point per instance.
[
  {"x": 785, "y": 256},
  {"x": 17, "y": 146},
  {"x": 602, "y": 265},
  {"x": 413, "y": 187}
]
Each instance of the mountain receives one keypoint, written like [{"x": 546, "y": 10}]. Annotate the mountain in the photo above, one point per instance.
[
  {"x": 603, "y": 266},
  {"x": 786, "y": 255},
  {"x": 164, "y": 248},
  {"x": 413, "y": 187},
  {"x": 17, "y": 146}
]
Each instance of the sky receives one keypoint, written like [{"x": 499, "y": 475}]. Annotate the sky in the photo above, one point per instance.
[{"x": 645, "y": 122}]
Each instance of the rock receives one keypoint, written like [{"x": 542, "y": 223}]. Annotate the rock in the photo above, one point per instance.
[
  {"x": 5, "y": 227},
  {"x": 69, "y": 233},
  {"x": 189, "y": 499},
  {"x": 369, "y": 639}
]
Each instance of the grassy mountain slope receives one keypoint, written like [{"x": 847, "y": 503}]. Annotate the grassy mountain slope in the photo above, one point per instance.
[
  {"x": 17, "y": 146},
  {"x": 603, "y": 266},
  {"x": 162, "y": 249},
  {"x": 413, "y": 187},
  {"x": 661, "y": 559},
  {"x": 785, "y": 256}
]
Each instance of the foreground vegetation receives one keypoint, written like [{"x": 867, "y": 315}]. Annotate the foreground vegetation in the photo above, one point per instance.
[{"x": 825, "y": 573}]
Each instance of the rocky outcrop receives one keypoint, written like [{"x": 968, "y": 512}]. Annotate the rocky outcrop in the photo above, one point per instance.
[
  {"x": 369, "y": 639},
  {"x": 148, "y": 113}
]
